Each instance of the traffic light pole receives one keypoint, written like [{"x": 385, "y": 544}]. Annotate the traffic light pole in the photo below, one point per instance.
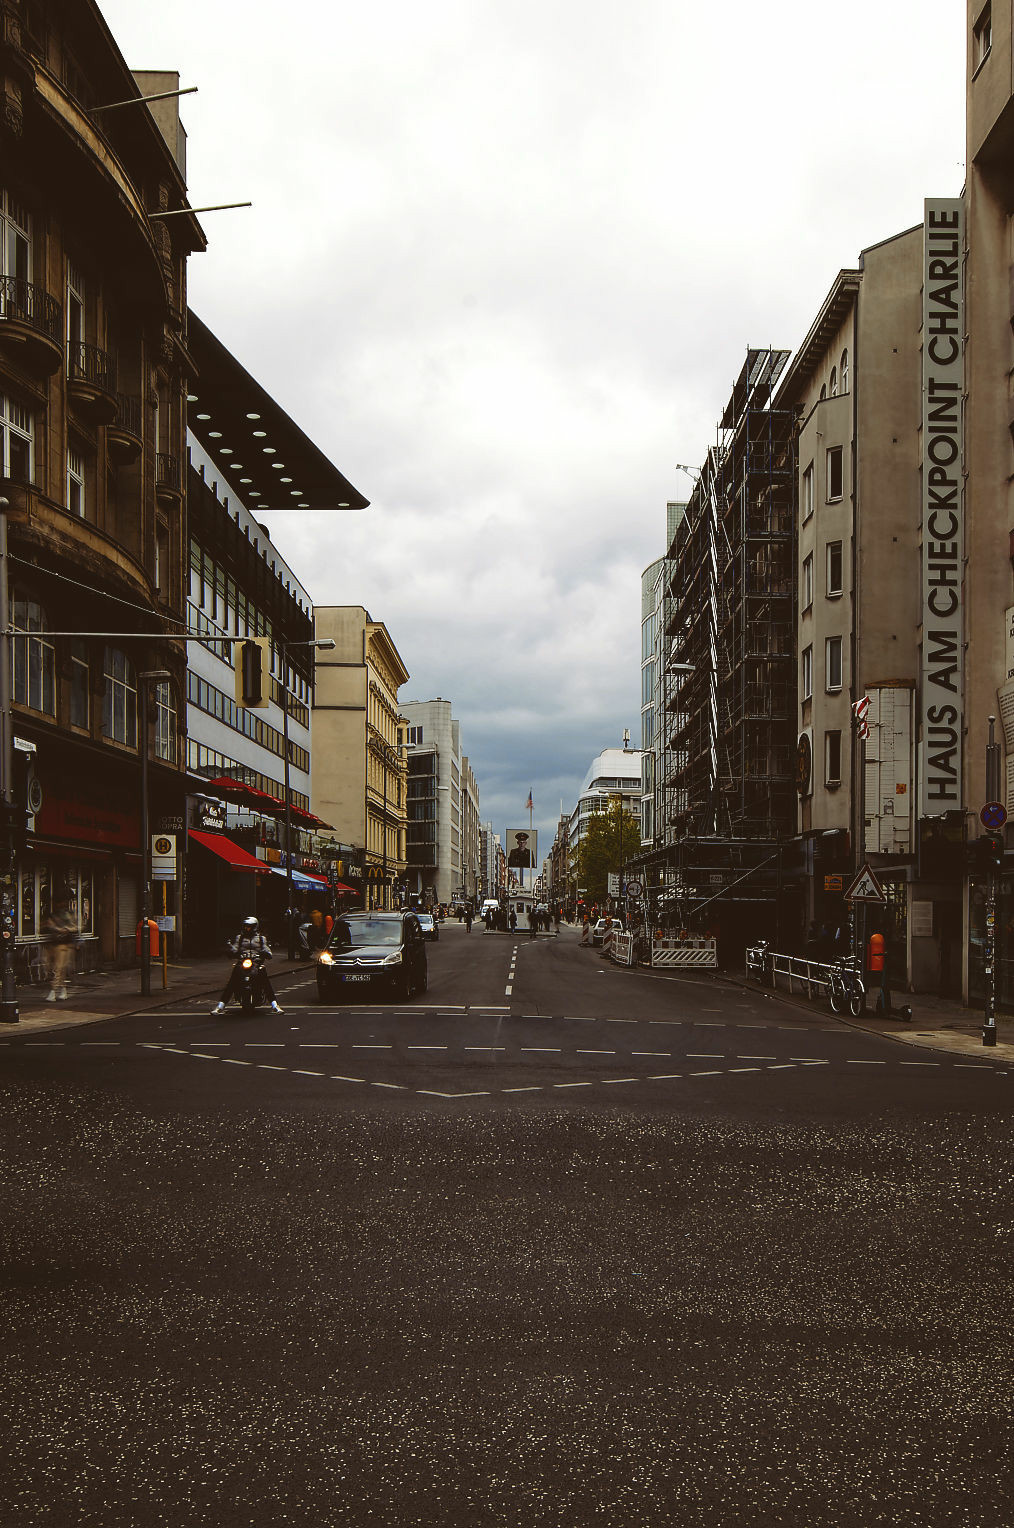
[{"x": 9, "y": 1013}]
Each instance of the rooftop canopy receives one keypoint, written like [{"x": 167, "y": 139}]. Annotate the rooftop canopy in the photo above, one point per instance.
[{"x": 262, "y": 452}]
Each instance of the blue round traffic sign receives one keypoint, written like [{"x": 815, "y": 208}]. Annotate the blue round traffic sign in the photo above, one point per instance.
[{"x": 993, "y": 815}]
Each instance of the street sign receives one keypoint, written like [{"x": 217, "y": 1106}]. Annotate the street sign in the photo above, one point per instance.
[
  {"x": 163, "y": 857},
  {"x": 634, "y": 888},
  {"x": 613, "y": 884},
  {"x": 865, "y": 888},
  {"x": 993, "y": 816}
]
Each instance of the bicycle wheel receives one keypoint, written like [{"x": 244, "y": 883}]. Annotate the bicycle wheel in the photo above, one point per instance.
[
  {"x": 857, "y": 998},
  {"x": 836, "y": 993}
]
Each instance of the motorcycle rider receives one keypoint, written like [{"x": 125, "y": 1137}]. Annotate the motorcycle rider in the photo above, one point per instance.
[{"x": 249, "y": 941}]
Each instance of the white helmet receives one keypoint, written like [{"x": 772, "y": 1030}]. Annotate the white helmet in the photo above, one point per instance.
[{"x": 251, "y": 927}]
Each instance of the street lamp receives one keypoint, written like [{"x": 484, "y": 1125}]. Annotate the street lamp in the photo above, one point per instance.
[
  {"x": 323, "y": 644},
  {"x": 159, "y": 676}
]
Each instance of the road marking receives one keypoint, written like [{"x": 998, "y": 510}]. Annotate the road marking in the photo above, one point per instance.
[
  {"x": 595, "y": 1053},
  {"x": 665, "y": 1076},
  {"x": 507, "y": 991},
  {"x": 607, "y": 1080},
  {"x": 850, "y": 1062},
  {"x": 623, "y": 1021},
  {"x": 318, "y": 1045},
  {"x": 780, "y": 1066},
  {"x": 426, "y": 1047},
  {"x": 485, "y": 1047},
  {"x": 745, "y": 1069},
  {"x": 264, "y": 1044},
  {"x": 705, "y": 1074},
  {"x": 553, "y": 1050},
  {"x": 573, "y": 1084},
  {"x": 704, "y": 1055},
  {"x": 922, "y": 1063},
  {"x": 337, "y": 1077},
  {"x": 299, "y": 1072},
  {"x": 372, "y": 1047},
  {"x": 531, "y": 1089},
  {"x": 400, "y": 1086},
  {"x": 651, "y": 1053},
  {"x": 236, "y": 1061},
  {"x": 266, "y": 1066}
]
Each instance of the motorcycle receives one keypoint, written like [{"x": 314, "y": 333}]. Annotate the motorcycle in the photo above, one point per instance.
[{"x": 251, "y": 987}]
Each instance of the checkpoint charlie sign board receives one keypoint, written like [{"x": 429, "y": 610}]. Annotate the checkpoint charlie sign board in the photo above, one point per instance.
[{"x": 941, "y": 698}]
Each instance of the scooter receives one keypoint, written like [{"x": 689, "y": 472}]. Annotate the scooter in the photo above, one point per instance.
[{"x": 756, "y": 961}]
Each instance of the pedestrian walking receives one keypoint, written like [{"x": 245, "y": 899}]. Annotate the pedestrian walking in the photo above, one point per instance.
[
  {"x": 468, "y": 920},
  {"x": 513, "y": 921},
  {"x": 60, "y": 931}
]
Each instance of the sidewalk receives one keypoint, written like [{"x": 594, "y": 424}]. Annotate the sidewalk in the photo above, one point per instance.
[{"x": 108, "y": 994}]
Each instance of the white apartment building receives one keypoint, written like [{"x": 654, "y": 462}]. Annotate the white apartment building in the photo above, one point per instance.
[{"x": 442, "y": 848}]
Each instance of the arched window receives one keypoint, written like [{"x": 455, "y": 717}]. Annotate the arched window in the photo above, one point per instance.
[
  {"x": 834, "y": 381},
  {"x": 823, "y": 392},
  {"x": 33, "y": 657},
  {"x": 119, "y": 705},
  {"x": 165, "y": 723},
  {"x": 844, "y": 371}
]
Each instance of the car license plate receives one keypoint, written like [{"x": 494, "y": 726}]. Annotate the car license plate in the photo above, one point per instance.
[{"x": 355, "y": 976}]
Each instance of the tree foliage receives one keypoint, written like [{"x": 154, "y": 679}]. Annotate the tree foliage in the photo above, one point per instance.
[{"x": 599, "y": 851}]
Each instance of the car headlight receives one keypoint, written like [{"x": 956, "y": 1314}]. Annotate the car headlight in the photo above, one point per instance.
[
  {"x": 393, "y": 960},
  {"x": 325, "y": 958},
  {"x": 247, "y": 964}
]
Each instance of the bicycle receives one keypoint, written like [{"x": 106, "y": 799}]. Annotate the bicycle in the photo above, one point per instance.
[{"x": 845, "y": 987}]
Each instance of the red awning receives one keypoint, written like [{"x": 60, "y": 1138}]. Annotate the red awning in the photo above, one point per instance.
[
  {"x": 340, "y": 886},
  {"x": 235, "y": 857}
]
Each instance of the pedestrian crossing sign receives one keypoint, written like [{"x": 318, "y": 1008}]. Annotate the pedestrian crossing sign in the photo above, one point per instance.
[{"x": 865, "y": 888}]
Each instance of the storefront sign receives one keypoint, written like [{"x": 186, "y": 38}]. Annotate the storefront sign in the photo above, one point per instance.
[
  {"x": 941, "y": 700},
  {"x": 209, "y": 817},
  {"x": 84, "y": 823}
]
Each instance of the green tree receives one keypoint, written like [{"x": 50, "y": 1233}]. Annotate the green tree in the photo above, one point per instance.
[{"x": 598, "y": 853}]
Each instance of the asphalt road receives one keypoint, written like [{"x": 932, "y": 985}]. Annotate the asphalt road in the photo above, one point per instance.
[{"x": 552, "y": 1243}]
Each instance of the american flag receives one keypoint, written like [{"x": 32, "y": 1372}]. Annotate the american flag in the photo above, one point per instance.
[{"x": 529, "y": 802}]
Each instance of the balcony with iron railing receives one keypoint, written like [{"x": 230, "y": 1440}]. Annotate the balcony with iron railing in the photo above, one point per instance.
[
  {"x": 91, "y": 382},
  {"x": 124, "y": 435},
  {"x": 31, "y": 325},
  {"x": 168, "y": 480}
]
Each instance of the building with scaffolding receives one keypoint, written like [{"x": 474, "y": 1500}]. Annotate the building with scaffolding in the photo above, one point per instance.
[{"x": 726, "y": 751}]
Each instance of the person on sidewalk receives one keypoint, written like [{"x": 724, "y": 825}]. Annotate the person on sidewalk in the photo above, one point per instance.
[
  {"x": 60, "y": 932},
  {"x": 468, "y": 920},
  {"x": 249, "y": 941}
]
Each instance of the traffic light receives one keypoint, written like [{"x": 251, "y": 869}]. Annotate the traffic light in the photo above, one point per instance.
[
  {"x": 252, "y": 657},
  {"x": 984, "y": 854}
]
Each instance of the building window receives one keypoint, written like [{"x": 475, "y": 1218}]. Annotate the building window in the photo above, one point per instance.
[
  {"x": 15, "y": 441},
  {"x": 808, "y": 493},
  {"x": 834, "y": 567},
  {"x": 33, "y": 657},
  {"x": 834, "y": 381},
  {"x": 75, "y": 314},
  {"x": 15, "y": 250},
  {"x": 844, "y": 369},
  {"x": 835, "y": 473},
  {"x": 832, "y": 663},
  {"x": 79, "y": 684},
  {"x": 806, "y": 676},
  {"x": 165, "y": 723},
  {"x": 823, "y": 392},
  {"x": 807, "y": 584},
  {"x": 982, "y": 37},
  {"x": 119, "y": 707},
  {"x": 832, "y": 758},
  {"x": 162, "y": 560},
  {"x": 75, "y": 482}
]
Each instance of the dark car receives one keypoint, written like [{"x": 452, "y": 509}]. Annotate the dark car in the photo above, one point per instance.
[
  {"x": 370, "y": 951},
  {"x": 428, "y": 924}
]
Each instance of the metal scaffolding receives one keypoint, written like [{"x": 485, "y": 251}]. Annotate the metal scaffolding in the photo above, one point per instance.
[{"x": 727, "y": 750}]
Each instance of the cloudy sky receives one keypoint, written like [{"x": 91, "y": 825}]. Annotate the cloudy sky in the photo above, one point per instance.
[{"x": 503, "y": 264}]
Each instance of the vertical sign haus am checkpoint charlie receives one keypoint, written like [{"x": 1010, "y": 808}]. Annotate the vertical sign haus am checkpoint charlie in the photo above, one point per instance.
[{"x": 941, "y": 701}]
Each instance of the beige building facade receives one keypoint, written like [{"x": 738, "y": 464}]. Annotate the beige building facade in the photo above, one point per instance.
[{"x": 359, "y": 771}]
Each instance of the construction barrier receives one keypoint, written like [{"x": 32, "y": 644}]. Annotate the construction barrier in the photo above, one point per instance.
[
  {"x": 622, "y": 949},
  {"x": 696, "y": 953}
]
